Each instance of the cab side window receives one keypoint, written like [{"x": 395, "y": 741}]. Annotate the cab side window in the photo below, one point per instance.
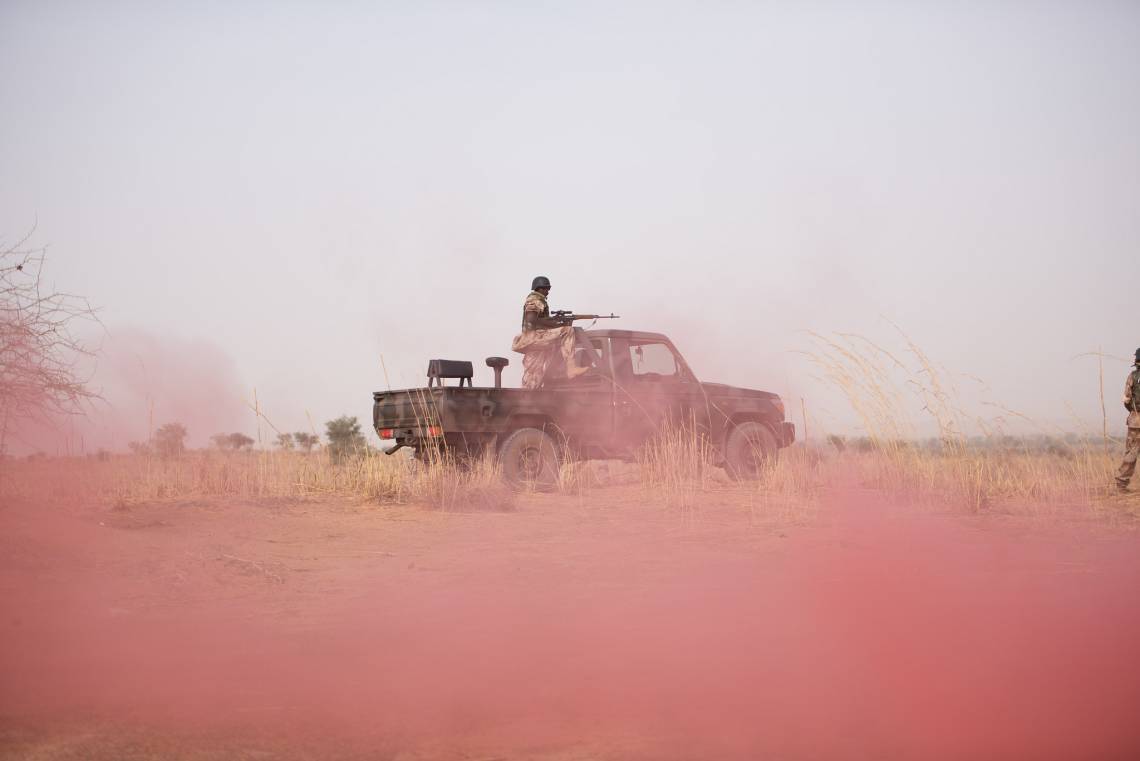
[{"x": 652, "y": 361}]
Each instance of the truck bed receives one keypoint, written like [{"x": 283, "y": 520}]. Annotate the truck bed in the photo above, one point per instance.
[{"x": 458, "y": 410}]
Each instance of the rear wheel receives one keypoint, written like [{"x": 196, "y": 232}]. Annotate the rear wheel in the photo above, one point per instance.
[
  {"x": 529, "y": 459},
  {"x": 751, "y": 447}
]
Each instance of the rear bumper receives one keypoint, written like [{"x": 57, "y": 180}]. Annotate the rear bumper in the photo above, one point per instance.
[{"x": 787, "y": 434}]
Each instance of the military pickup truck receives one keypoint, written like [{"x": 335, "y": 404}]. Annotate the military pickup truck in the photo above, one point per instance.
[{"x": 638, "y": 384}]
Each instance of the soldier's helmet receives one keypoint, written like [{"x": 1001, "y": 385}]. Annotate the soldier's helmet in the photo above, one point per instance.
[
  {"x": 539, "y": 282},
  {"x": 1138, "y": 356}
]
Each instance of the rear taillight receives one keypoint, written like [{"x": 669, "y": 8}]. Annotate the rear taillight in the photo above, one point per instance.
[
  {"x": 435, "y": 431},
  {"x": 387, "y": 433}
]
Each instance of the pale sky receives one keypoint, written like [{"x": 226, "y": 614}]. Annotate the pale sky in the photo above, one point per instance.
[{"x": 275, "y": 195}]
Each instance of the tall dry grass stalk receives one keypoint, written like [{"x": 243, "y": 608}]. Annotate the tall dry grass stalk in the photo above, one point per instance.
[
  {"x": 676, "y": 467},
  {"x": 974, "y": 472},
  {"x": 678, "y": 472}
]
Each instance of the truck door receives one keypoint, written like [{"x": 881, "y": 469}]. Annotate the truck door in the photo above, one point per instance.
[
  {"x": 586, "y": 404},
  {"x": 653, "y": 387}
]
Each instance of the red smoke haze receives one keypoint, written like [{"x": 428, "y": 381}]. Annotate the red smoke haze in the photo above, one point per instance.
[
  {"x": 879, "y": 634},
  {"x": 147, "y": 380}
]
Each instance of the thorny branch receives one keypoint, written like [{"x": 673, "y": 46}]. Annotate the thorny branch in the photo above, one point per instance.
[{"x": 40, "y": 356}]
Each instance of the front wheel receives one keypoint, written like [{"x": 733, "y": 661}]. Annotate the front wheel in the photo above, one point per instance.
[
  {"x": 750, "y": 449},
  {"x": 529, "y": 459}
]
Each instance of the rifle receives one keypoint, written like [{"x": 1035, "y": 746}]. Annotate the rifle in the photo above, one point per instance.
[{"x": 568, "y": 317}]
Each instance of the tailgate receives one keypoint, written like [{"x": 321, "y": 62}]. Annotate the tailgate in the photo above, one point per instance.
[{"x": 408, "y": 408}]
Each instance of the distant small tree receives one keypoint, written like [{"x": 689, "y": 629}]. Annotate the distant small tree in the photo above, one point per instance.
[
  {"x": 345, "y": 438},
  {"x": 306, "y": 440},
  {"x": 239, "y": 441},
  {"x": 231, "y": 442},
  {"x": 285, "y": 441},
  {"x": 140, "y": 448},
  {"x": 170, "y": 440}
]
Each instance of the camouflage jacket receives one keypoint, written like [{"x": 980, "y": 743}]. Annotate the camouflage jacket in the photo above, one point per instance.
[
  {"x": 1132, "y": 397},
  {"x": 534, "y": 307}
]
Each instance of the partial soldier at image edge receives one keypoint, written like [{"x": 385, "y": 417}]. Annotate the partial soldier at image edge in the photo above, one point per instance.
[{"x": 1132, "y": 440}]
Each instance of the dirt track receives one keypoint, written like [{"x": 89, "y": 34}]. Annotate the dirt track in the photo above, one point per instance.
[{"x": 571, "y": 628}]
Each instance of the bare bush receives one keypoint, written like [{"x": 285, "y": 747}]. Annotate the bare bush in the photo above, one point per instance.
[{"x": 40, "y": 355}]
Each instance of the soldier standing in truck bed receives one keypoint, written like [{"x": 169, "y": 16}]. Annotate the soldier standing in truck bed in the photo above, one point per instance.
[
  {"x": 544, "y": 337},
  {"x": 1132, "y": 442}
]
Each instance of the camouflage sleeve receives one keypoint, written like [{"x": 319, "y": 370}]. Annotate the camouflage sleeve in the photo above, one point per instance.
[
  {"x": 1128, "y": 386},
  {"x": 532, "y": 313},
  {"x": 532, "y": 305}
]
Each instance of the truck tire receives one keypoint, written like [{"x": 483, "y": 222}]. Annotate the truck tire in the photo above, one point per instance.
[
  {"x": 750, "y": 449},
  {"x": 529, "y": 459}
]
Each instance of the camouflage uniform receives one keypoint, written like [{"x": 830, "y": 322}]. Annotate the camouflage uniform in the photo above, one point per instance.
[
  {"x": 540, "y": 345},
  {"x": 1132, "y": 443}
]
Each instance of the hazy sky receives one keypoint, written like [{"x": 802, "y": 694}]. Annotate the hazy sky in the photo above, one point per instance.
[{"x": 273, "y": 195}]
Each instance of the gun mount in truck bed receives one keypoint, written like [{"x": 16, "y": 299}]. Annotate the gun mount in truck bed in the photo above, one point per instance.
[{"x": 639, "y": 384}]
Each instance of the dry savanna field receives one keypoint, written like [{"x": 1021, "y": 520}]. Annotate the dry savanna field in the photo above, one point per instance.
[{"x": 864, "y": 600}]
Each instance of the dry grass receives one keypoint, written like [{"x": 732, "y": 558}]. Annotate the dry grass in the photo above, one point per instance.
[
  {"x": 980, "y": 478},
  {"x": 675, "y": 472},
  {"x": 888, "y": 391},
  {"x": 129, "y": 479},
  {"x": 676, "y": 468}
]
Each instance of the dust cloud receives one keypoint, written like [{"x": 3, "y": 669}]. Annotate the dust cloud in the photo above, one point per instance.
[{"x": 145, "y": 380}]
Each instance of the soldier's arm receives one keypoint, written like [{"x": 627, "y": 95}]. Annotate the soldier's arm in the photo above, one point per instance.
[
  {"x": 535, "y": 320},
  {"x": 549, "y": 322},
  {"x": 1128, "y": 384}
]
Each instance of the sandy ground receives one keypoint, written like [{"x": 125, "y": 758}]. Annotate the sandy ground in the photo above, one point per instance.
[{"x": 570, "y": 628}]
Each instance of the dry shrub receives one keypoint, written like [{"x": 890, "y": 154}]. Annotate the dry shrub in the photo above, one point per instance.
[
  {"x": 462, "y": 485},
  {"x": 676, "y": 467},
  {"x": 678, "y": 472}
]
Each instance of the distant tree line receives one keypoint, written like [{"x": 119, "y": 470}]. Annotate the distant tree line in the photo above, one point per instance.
[
  {"x": 345, "y": 439},
  {"x": 1061, "y": 444}
]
